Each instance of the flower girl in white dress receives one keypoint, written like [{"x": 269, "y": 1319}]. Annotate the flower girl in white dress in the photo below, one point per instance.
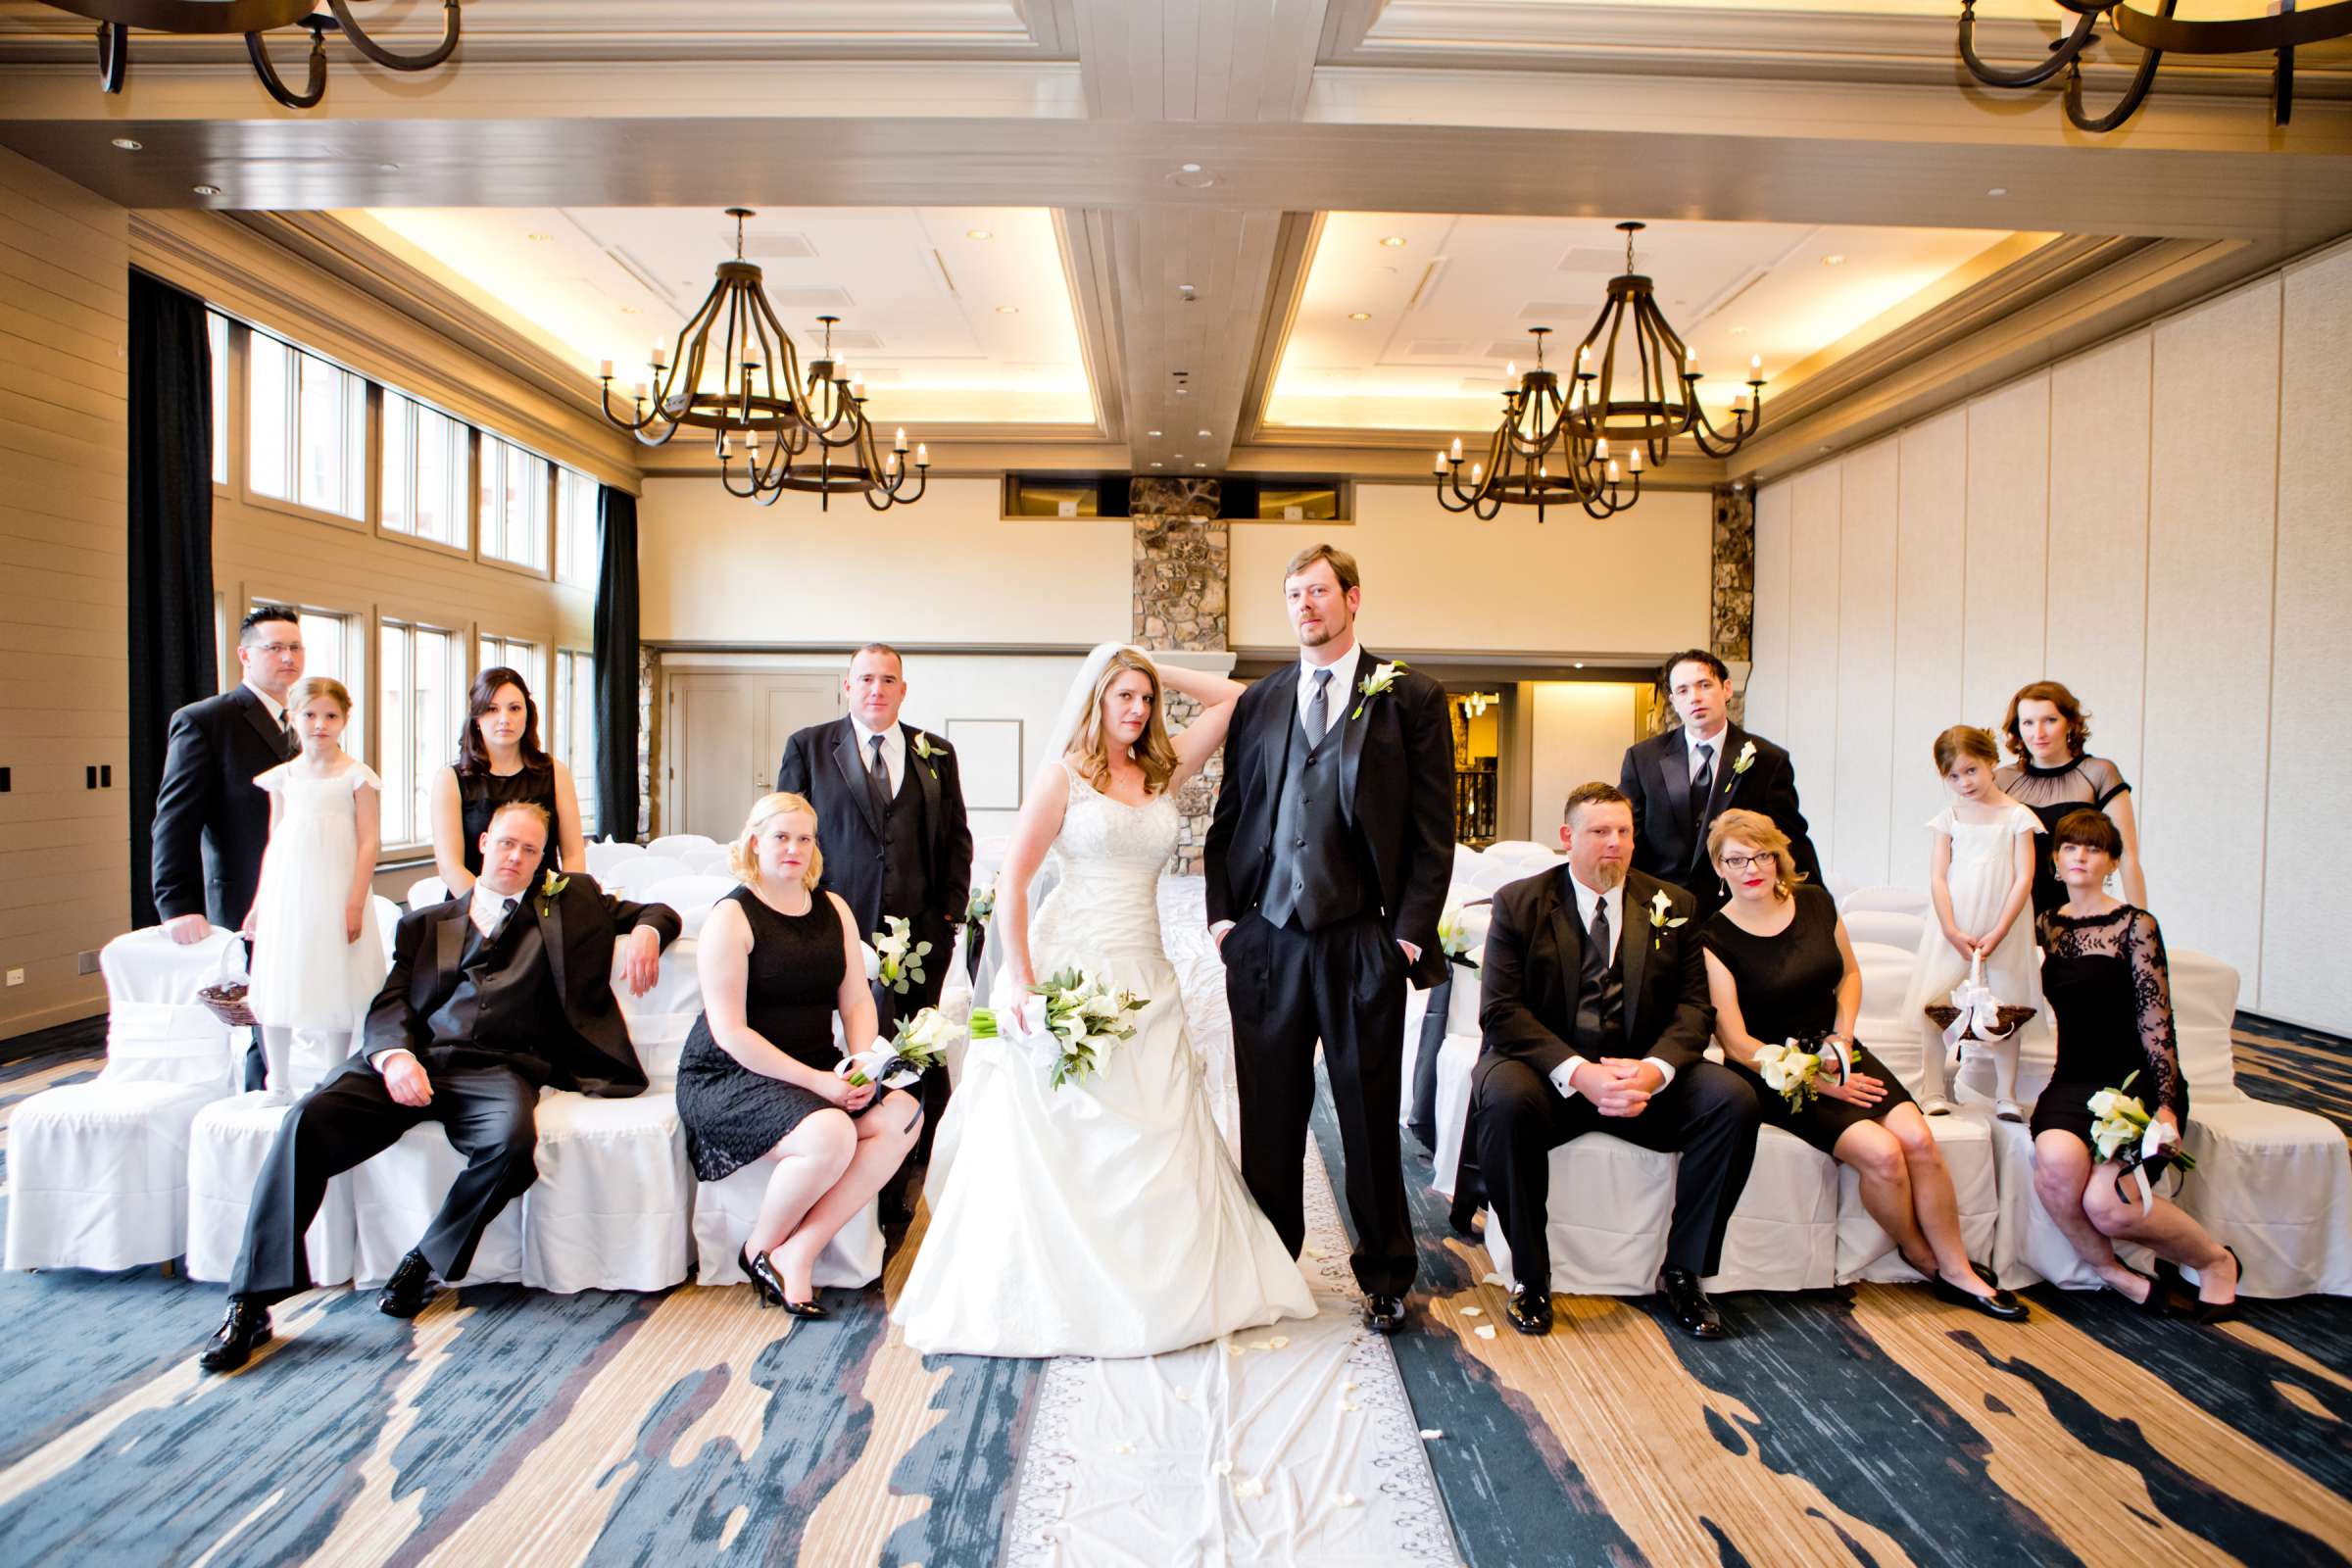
[
  {"x": 317, "y": 956},
  {"x": 1104, "y": 1217},
  {"x": 1980, "y": 878}
]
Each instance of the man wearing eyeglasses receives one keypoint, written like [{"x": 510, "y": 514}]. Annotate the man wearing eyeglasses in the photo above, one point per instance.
[{"x": 210, "y": 824}]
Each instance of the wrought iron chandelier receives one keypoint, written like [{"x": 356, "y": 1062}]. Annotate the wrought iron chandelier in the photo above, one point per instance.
[
  {"x": 252, "y": 18},
  {"x": 1543, "y": 429},
  {"x": 736, "y": 372},
  {"x": 2156, "y": 35}
]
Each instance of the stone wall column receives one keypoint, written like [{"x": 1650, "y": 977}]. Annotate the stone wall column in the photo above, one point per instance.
[
  {"x": 1182, "y": 554},
  {"x": 1732, "y": 601}
]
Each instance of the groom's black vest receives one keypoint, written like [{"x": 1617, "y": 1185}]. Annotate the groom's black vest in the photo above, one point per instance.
[
  {"x": 1313, "y": 874},
  {"x": 905, "y": 868}
]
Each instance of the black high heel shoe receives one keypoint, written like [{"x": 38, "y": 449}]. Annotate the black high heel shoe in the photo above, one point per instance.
[
  {"x": 762, "y": 1275},
  {"x": 2223, "y": 1311},
  {"x": 2155, "y": 1303}
]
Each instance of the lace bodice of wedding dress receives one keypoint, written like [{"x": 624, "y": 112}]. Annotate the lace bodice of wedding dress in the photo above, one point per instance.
[{"x": 1108, "y": 857}]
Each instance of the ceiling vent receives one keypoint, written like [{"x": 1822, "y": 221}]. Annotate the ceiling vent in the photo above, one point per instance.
[
  {"x": 1592, "y": 259},
  {"x": 778, "y": 247},
  {"x": 846, "y": 338},
  {"x": 808, "y": 299}
]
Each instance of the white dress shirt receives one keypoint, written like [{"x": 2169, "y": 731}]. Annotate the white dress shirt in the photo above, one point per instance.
[
  {"x": 894, "y": 752},
  {"x": 1341, "y": 699},
  {"x": 488, "y": 909},
  {"x": 1588, "y": 899},
  {"x": 1690, "y": 745},
  {"x": 272, "y": 707}
]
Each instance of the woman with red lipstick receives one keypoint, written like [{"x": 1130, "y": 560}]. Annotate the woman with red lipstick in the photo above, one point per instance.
[
  {"x": 500, "y": 761},
  {"x": 1780, "y": 968}
]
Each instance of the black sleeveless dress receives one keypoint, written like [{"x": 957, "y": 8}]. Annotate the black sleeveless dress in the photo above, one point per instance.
[
  {"x": 1788, "y": 987},
  {"x": 481, "y": 794},
  {"x": 732, "y": 1114}
]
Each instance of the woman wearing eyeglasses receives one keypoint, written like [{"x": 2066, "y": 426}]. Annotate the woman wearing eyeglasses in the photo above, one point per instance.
[{"x": 1781, "y": 971}]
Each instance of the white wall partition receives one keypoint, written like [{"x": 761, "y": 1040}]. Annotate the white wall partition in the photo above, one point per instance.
[{"x": 2161, "y": 522}]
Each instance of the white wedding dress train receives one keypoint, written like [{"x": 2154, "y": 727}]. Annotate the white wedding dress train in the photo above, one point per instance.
[{"x": 1105, "y": 1218}]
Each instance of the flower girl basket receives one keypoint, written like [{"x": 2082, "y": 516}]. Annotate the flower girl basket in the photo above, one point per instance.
[
  {"x": 1974, "y": 1012},
  {"x": 225, "y": 997}
]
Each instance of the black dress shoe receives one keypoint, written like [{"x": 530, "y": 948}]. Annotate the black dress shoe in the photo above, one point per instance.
[
  {"x": 1688, "y": 1306},
  {"x": 1530, "y": 1311},
  {"x": 408, "y": 1290},
  {"x": 1999, "y": 1304},
  {"x": 1383, "y": 1315},
  {"x": 245, "y": 1330}
]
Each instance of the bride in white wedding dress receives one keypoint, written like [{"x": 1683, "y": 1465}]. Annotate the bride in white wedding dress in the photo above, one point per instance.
[{"x": 1105, "y": 1218}]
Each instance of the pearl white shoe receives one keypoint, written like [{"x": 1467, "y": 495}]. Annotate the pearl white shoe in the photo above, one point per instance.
[
  {"x": 2008, "y": 1110},
  {"x": 1935, "y": 1106}
]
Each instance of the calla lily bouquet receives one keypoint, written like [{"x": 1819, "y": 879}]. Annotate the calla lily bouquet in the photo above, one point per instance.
[
  {"x": 900, "y": 954},
  {"x": 1076, "y": 1017},
  {"x": 2123, "y": 1130},
  {"x": 919, "y": 1045},
  {"x": 1452, "y": 940},
  {"x": 1790, "y": 1071},
  {"x": 981, "y": 905}
]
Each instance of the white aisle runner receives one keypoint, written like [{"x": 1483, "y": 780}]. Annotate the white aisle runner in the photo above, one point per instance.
[{"x": 1288, "y": 1445}]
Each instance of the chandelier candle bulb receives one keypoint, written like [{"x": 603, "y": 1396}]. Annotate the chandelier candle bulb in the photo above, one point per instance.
[
  {"x": 899, "y": 445},
  {"x": 1510, "y": 369},
  {"x": 660, "y": 355},
  {"x": 1478, "y": 472},
  {"x": 1457, "y": 449},
  {"x": 1632, "y": 460},
  {"x": 604, "y": 370},
  {"x": 1740, "y": 402},
  {"x": 922, "y": 456},
  {"x": 1612, "y": 471},
  {"x": 1438, "y": 464},
  {"x": 1600, "y": 449},
  {"x": 890, "y": 464},
  {"x": 1755, "y": 367}
]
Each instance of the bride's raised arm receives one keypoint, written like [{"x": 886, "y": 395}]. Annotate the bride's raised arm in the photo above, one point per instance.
[
  {"x": 1033, "y": 834},
  {"x": 1198, "y": 741}
]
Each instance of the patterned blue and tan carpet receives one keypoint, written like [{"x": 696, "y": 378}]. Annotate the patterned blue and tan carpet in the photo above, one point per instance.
[{"x": 505, "y": 1426}]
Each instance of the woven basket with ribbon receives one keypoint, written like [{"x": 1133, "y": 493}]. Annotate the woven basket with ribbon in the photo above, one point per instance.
[
  {"x": 1974, "y": 1012},
  {"x": 224, "y": 997}
]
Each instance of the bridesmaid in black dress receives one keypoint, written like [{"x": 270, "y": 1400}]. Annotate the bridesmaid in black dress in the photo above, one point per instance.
[
  {"x": 500, "y": 762},
  {"x": 2053, "y": 775},
  {"x": 1779, "y": 968},
  {"x": 777, "y": 960},
  {"x": 2104, "y": 973}
]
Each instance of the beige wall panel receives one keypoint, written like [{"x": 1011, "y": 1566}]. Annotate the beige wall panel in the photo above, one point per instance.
[
  {"x": 1767, "y": 708},
  {"x": 1582, "y": 730},
  {"x": 1810, "y": 732},
  {"x": 2008, "y": 543},
  {"x": 1635, "y": 584},
  {"x": 1867, "y": 744},
  {"x": 2098, "y": 588},
  {"x": 1930, "y": 601},
  {"x": 715, "y": 568},
  {"x": 2212, "y": 532},
  {"x": 2306, "y": 902},
  {"x": 63, "y": 254}
]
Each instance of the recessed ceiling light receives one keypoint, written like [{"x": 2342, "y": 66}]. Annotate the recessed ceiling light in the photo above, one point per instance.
[
  {"x": 631, "y": 310},
  {"x": 1151, "y": 432},
  {"x": 127, "y": 145},
  {"x": 538, "y": 239},
  {"x": 1008, "y": 309},
  {"x": 979, "y": 234},
  {"x": 207, "y": 191},
  {"x": 1392, "y": 241},
  {"x": 1155, "y": 464},
  {"x": 1184, "y": 391},
  {"x": 1205, "y": 435},
  {"x": 1184, "y": 288},
  {"x": 1191, "y": 169},
  {"x": 1823, "y": 449},
  {"x": 1200, "y": 465},
  {"x": 390, "y": 167},
  {"x": 1579, "y": 663},
  {"x": 1179, "y": 456},
  {"x": 1739, "y": 331},
  {"x": 1359, "y": 315},
  {"x": 1833, "y": 261},
  {"x": 1999, "y": 190}
]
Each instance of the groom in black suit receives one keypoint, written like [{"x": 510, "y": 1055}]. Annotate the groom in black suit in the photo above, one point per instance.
[
  {"x": 1680, "y": 781},
  {"x": 210, "y": 824},
  {"x": 1327, "y": 863},
  {"x": 890, "y": 820},
  {"x": 1595, "y": 1019},
  {"x": 492, "y": 997}
]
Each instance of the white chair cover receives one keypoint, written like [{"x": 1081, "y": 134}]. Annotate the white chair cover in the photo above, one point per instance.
[
  {"x": 711, "y": 861},
  {"x": 605, "y": 858},
  {"x": 724, "y": 1212},
  {"x": 613, "y": 1205},
  {"x": 660, "y": 1020},
  {"x": 1455, "y": 1058},
  {"x": 1867, "y": 1252},
  {"x": 1902, "y": 901},
  {"x": 1526, "y": 853},
  {"x": 692, "y": 897},
  {"x": 1890, "y": 928},
  {"x": 226, "y": 1146},
  {"x": 635, "y": 877},
  {"x": 387, "y": 918},
  {"x": 394, "y": 1197},
  {"x": 1784, "y": 1229},
  {"x": 674, "y": 844},
  {"x": 98, "y": 1171},
  {"x": 426, "y": 891}
]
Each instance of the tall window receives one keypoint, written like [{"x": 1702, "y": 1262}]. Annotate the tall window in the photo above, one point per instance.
[
  {"x": 572, "y": 702},
  {"x": 216, "y": 328},
  {"x": 309, "y": 429},
  {"x": 424, "y": 472},
  {"x": 515, "y": 485},
  {"x": 577, "y": 559},
  {"x": 524, "y": 659},
  {"x": 331, "y": 647},
  {"x": 424, "y": 689}
]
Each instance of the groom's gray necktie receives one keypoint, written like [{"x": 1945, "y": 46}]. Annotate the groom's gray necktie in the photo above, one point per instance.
[
  {"x": 1318, "y": 709},
  {"x": 877, "y": 780}
]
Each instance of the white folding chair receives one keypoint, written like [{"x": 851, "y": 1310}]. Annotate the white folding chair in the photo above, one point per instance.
[
  {"x": 636, "y": 877},
  {"x": 692, "y": 897},
  {"x": 676, "y": 845},
  {"x": 426, "y": 891},
  {"x": 605, "y": 858},
  {"x": 1902, "y": 901}
]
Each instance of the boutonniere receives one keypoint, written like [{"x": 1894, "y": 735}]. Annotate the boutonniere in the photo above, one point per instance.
[
  {"x": 550, "y": 887},
  {"x": 1745, "y": 760},
  {"x": 1661, "y": 921},
  {"x": 928, "y": 749},
  {"x": 1373, "y": 686}
]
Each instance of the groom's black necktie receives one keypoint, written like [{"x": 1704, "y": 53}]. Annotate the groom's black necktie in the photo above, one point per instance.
[
  {"x": 1600, "y": 988},
  {"x": 877, "y": 780}
]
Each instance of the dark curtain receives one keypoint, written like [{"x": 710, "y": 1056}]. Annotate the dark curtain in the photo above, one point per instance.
[
  {"x": 617, "y": 737},
  {"x": 173, "y": 660}
]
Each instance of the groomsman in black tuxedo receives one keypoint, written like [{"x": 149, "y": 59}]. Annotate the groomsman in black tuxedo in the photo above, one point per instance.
[
  {"x": 210, "y": 824},
  {"x": 492, "y": 997},
  {"x": 1680, "y": 781},
  {"x": 891, "y": 823},
  {"x": 1327, "y": 862},
  {"x": 1595, "y": 1019}
]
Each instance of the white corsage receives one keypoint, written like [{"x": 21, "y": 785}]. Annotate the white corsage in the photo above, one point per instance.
[
  {"x": 1789, "y": 1072},
  {"x": 1745, "y": 759},
  {"x": 900, "y": 956},
  {"x": 1661, "y": 920},
  {"x": 929, "y": 751},
  {"x": 1375, "y": 685},
  {"x": 551, "y": 888}
]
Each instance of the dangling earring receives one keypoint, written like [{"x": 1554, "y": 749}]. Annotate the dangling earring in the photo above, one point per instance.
[{"x": 1725, "y": 886}]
